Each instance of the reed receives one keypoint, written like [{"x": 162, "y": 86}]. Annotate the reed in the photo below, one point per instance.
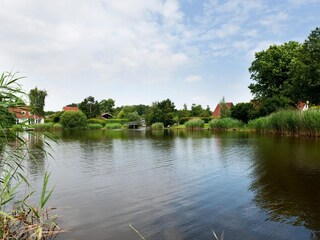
[
  {"x": 18, "y": 219},
  {"x": 113, "y": 126},
  {"x": 195, "y": 123},
  {"x": 157, "y": 125},
  {"x": 289, "y": 122},
  {"x": 94, "y": 126},
  {"x": 222, "y": 124}
]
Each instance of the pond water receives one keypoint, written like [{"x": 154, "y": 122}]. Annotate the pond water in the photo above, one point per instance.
[{"x": 179, "y": 184}]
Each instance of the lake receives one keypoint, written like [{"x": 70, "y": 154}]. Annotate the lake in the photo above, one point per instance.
[{"x": 179, "y": 184}]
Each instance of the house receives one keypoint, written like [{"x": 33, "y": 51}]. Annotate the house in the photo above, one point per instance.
[
  {"x": 23, "y": 115},
  {"x": 70, "y": 109},
  {"x": 216, "y": 113}
]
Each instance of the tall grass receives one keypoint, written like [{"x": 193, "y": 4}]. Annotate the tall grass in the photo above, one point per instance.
[
  {"x": 157, "y": 125},
  {"x": 113, "y": 126},
  {"x": 195, "y": 123},
  {"x": 222, "y": 124},
  {"x": 18, "y": 219},
  {"x": 94, "y": 126},
  {"x": 289, "y": 122}
]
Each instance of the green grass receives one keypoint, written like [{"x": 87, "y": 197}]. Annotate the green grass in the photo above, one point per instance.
[
  {"x": 113, "y": 126},
  {"x": 94, "y": 126},
  {"x": 195, "y": 123},
  {"x": 157, "y": 125},
  {"x": 222, "y": 124},
  {"x": 289, "y": 122}
]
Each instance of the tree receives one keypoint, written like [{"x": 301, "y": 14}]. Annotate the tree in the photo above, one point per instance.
[
  {"x": 306, "y": 70},
  {"x": 37, "y": 101},
  {"x": 73, "y": 119},
  {"x": 271, "y": 71},
  {"x": 242, "y": 112},
  {"x": 163, "y": 111},
  {"x": 196, "y": 110},
  {"x": 90, "y": 107},
  {"x": 224, "y": 109},
  {"x": 107, "y": 106}
]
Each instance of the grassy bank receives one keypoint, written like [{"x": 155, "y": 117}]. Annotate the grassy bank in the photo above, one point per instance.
[{"x": 289, "y": 122}]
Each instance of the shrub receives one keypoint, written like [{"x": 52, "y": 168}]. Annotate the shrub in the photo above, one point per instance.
[
  {"x": 195, "y": 123},
  {"x": 94, "y": 126},
  {"x": 113, "y": 126},
  {"x": 96, "y": 121},
  {"x": 73, "y": 119},
  {"x": 157, "y": 125},
  {"x": 183, "y": 120},
  {"x": 115, "y": 120},
  {"x": 225, "y": 123}
]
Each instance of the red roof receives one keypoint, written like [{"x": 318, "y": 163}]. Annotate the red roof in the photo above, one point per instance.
[
  {"x": 70, "y": 109},
  {"x": 23, "y": 112},
  {"x": 216, "y": 112}
]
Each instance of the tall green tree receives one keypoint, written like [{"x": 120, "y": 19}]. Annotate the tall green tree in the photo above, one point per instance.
[
  {"x": 164, "y": 111},
  {"x": 107, "y": 106},
  {"x": 37, "y": 101},
  {"x": 270, "y": 71},
  {"x": 306, "y": 70},
  {"x": 90, "y": 107}
]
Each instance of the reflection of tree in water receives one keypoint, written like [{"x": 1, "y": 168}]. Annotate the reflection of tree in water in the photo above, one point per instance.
[
  {"x": 286, "y": 181},
  {"x": 36, "y": 155}
]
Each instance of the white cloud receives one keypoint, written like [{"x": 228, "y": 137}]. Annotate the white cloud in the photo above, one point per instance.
[{"x": 193, "y": 78}]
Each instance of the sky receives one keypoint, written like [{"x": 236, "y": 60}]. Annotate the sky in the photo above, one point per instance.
[{"x": 142, "y": 51}]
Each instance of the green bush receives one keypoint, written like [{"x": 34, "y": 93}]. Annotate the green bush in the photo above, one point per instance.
[
  {"x": 291, "y": 122},
  {"x": 115, "y": 120},
  {"x": 113, "y": 126},
  {"x": 157, "y": 125},
  {"x": 225, "y": 124},
  {"x": 73, "y": 119},
  {"x": 183, "y": 120},
  {"x": 94, "y": 126},
  {"x": 195, "y": 123},
  {"x": 96, "y": 121}
]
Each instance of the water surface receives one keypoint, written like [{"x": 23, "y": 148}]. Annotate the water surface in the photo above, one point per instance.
[{"x": 178, "y": 185}]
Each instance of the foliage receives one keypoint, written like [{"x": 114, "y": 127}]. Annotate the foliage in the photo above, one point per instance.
[
  {"x": 113, "y": 126},
  {"x": 157, "y": 125},
  {"x": 107, "y": 106},
  {"x": 195, "y": 123},
  {"x": 271, "y": 71},
  {"x": 133, "y": 116},
  {"x": 73, "y": 119},
  {"x": 224, "y": 109},
  {"x": 186, "y": 119},
  {"x": 37, "y": 101},
  {"x": 305, "y": 70},
  {"x": 96, "y": 121},
  {"x": 115, "y": 120},
  {"x": 225, "y": 124},
  {"x": 94, "y": 126},
  {"x": 23, "y": 221},
  {"x": 242, "y": 112},
  {"x": 7, "y": 119},
  {"x": 90, "y": 107},
  {"x": 163, "y": 111},
  {"x": 42, "y": 127},
  {"x": 289, "y": 122}
]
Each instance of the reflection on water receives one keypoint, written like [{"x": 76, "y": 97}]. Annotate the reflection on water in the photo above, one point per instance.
[
  {"x": 286, "y": 181},
  {"x": 179, "y": 184}
]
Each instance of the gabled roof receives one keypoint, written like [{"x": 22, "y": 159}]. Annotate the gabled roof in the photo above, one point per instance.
[
  {"x": 216, "y": 112},
  {"x": 70, "y": 109},
  {"x": 23, "y": 112}
]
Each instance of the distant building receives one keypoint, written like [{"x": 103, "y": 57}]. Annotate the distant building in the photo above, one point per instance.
[
  {"x": 23, "y": 115},
  {"x": 216, "y": 113},
  {"x": 70, "y": 109},
  {"x": 106, "y": 115}
]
